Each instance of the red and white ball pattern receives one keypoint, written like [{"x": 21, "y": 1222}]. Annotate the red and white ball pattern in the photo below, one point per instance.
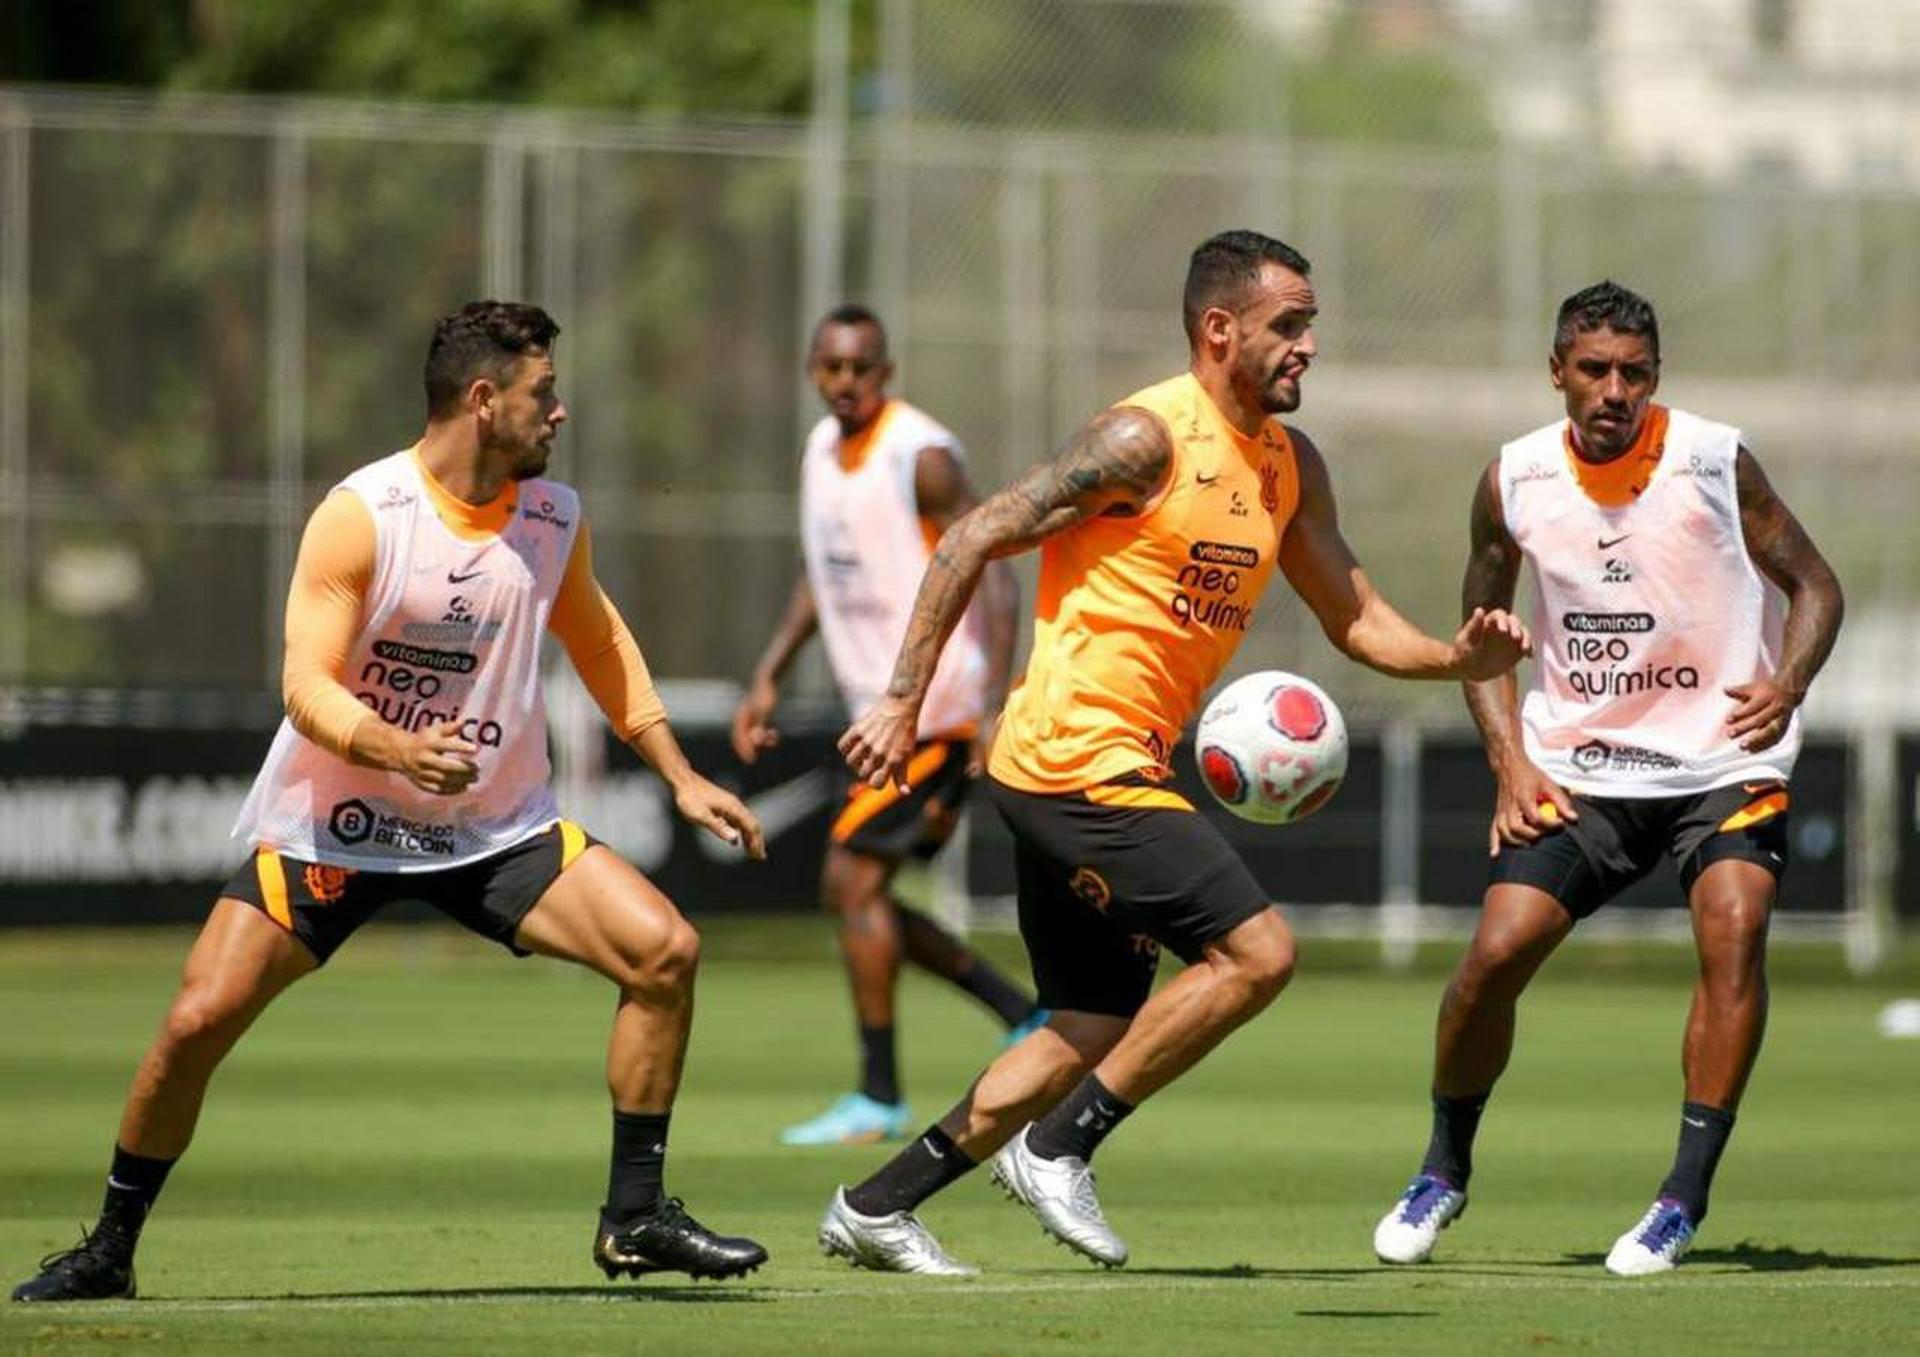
[{"x": 1272, "y": 747}]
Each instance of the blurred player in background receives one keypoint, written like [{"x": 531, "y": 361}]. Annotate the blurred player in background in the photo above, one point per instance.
[
  {"x": 1681, "y": 613},
  {"x": 412, "y": 765},
  {"x": 1160, "y": 525},
  {"x": 879, "y": 482}
]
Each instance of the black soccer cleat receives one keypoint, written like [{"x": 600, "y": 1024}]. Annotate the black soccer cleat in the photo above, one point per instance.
[
  {"x": 667, "y": 1239},
  {"x": 99, "y": 1267}
]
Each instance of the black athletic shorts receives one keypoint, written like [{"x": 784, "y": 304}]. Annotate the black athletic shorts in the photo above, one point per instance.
[
  {"x": 883, "y": 823},
  {"x": 1107, "y": 877},
  {"x": 322, "y": 905},
  {"x": 1619, "y": 839}
]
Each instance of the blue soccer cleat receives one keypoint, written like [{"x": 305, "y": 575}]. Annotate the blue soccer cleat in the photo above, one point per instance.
[
  {"x": 1656, "y": 1244},
  {"x": 855, "y": 1119},
  {"x": 1027, "y": 1026},
  {"x": 1408, "y": 1232}
]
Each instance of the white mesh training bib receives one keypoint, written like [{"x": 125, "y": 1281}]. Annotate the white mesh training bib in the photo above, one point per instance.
[
  {"x": 866, "y": 552},
  {"x": 450, "y": 630},
  {"x": 1642, "y": 615}
]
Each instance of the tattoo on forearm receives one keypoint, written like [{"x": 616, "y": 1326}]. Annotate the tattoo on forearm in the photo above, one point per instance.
[{"x": 1114, "y": 463}]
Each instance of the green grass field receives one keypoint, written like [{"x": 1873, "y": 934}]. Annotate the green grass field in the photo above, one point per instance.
[{"x": 406, "y": 1155}]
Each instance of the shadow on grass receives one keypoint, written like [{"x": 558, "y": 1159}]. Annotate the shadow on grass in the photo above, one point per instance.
[
  {"x": 624, "y": 1295},
  {"x": 1252, "y": 1273},
  {"x": 1765, "y": 1258}
]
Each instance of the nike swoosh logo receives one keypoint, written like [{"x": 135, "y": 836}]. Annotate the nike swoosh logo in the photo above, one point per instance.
[
  {"x": 1691, "y": 1122},
  {"x": 1607, "y": 543},
  {"x": 1198, "y": 479},
  {"x": 116, "y": 1184},
  {"x": 778, "y": 809},
  {"x": 1754, "y": 788},
  {"x": 462, "y": 579}
]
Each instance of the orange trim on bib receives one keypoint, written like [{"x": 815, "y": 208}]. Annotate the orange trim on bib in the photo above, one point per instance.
[
  {"x": 1619, "y": 482},
  {"x": 573, "y": 842},
  {"x": 470, "y": 522},
  {"x": 867, "y": 802},
  {"x": 272, "y": 875},
  {"x": 1754, "y": 812},
  {"x": 854, "y": 448},
  {"x": 1137, "y": 798}
]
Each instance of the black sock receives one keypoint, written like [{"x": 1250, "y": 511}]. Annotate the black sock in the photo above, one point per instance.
[
  {"x": 1703, "y": 1138},
  {"x": 879, "y": 1074},
  {"x": 1011, "y": 1004},
  {"x": 911, "y": 1176},
  {"x": 974, "y": 975},
  {"x": 639, "y": 1157},
  {"x": 133, "y": 1183},
  {"x": 1078, "y": 1122},
  {"x": 1450, "y": 1151}
]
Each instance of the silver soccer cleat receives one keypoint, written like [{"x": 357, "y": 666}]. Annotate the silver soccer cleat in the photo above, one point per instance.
[
  {"x": 1060, "y": 1192},
  {"x": 893, "y": 1243}
]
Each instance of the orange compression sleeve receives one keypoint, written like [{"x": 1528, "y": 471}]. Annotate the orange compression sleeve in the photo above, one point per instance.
[
  {"x": 330, "y": 581},
  {"x": 603, "y": 651}
]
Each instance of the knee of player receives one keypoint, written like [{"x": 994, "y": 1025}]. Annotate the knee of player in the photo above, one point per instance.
[
  {"x": 669, "y": 960},
  {"x": 1272, "y": 970},
  {"x": 199, "y": 1014},
  {"x": 1266, "y": 967},
  {"x": 1732, "y": 932}
]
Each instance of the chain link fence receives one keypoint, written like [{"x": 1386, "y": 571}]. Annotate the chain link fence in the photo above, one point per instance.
[{"x": 210, "y": 309}]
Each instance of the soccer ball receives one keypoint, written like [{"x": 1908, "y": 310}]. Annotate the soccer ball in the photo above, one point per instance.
[{"x": 1272, "y": 747}]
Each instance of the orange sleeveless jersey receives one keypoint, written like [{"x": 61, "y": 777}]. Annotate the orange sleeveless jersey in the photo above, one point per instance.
[{"x": 1136, "y": 617}]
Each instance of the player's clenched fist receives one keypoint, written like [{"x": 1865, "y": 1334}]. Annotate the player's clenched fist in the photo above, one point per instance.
[
  {"x": 878, "y": 745},
  {"x": 437, "y": 760}
]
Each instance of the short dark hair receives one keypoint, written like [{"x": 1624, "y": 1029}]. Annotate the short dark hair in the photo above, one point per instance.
[
  {"x": 1224, "y": 266},
  {"x": 853, "y": 313},
  {"x": 1606, "y": 305},
  {"x": 481, "y": 339}
]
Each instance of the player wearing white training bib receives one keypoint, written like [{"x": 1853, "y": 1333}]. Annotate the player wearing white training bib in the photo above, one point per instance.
[
  {"x": 1680, "y": 613},
  {"x": 451, "y": 635},
  {"x": 412, "y": 767},
  {"x": 879, "y": 481},
  {"x": 1645, "y": 611}
]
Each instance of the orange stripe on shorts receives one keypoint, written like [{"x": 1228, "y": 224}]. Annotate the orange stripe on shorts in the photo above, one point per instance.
[
  {"x": 1137, "y": 798},
  {"x": 573, "y": 842},
  {"x": 272, "y": 874},
  {"x": 1754, "y": 812},
  {"x": 867, "y": 802}
]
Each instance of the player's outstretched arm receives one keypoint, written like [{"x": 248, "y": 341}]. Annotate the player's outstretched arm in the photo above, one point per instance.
[
  {"x": 700, "y": 802},
  {"x": 753, "y": 729},
  {"x": 611, "y": 666},
  {"x": 1116, "y": 464},
  {"x": 1525, "y": 798},
  {"x": 1360, "y": 623},
  {"x": 943, "y": 494},
  {"x": 1783, "y": 552},
  {"x": 330, "y": 580}
]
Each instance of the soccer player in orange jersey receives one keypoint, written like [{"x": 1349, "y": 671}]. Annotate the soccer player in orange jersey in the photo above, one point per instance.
[
  {"x": 1159, "y": 526},
  {"x": 879, "y": 481},
  {"x": 412, "y": 765},
  {"x": 1682, "y": 613}
]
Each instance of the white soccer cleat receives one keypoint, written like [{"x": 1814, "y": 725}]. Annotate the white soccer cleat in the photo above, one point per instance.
[
  {"x": 1060, "y": 1192},
  {"x": 1656, "y": 1244},
  {"x": 893, "y": 1243},
  {"x": 1408, "y": 1233}
]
